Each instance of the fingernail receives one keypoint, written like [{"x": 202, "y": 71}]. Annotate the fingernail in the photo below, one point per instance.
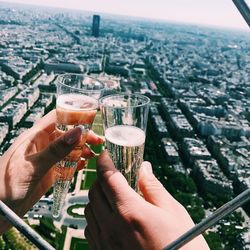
[
  {"x": 147, "y": 168},
  {"x": 83, "y": 129},
  {"x": 72, "y": 136}
]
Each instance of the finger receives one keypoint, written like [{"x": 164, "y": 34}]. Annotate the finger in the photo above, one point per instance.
[
  {"x": 113, "y": 183},
  {"x": 47, "y": 122},
  {"x": 152, "y": 190},
  {"x": 81, "y": 164},
  {"x": 90, "y": 239},
  {"x": 53, "y": 136},
  {"x": 58, "y": 149},
  {"x": 87, "y": 152},
  {"x": 99, "y": 205},
  {"x": 92, "y": 221},
  {"x": 94, "y": 139}
]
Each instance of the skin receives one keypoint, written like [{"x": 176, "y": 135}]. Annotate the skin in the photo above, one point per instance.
[
  {"x": 119, "y": 218},
  {"x": 27, "y": 172}
]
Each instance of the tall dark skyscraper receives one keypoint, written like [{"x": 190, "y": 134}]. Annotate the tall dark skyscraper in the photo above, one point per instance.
[{"x": 96, "y": 25}]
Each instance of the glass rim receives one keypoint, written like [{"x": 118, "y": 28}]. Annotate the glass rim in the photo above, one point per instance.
[
  {"x": 94, "y": 107},
  {"x": 106, "y": 105},
  {"x": 79, "y": 89}
]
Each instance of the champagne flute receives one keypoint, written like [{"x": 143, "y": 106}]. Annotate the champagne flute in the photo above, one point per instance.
[
  {"x": 125, "y": 121},
  {"x": 76, "y": 105}
]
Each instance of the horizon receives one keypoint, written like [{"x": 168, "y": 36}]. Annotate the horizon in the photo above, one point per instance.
[{"x": 218, "y": 15}]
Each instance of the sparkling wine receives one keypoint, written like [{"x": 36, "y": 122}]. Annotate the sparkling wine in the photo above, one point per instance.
[{"x": 126, "y": 146}]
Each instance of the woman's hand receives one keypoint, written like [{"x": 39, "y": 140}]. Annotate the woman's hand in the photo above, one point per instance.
[
  {"x": 119, "y": 218},
  {"x": 26, "y": 171}
]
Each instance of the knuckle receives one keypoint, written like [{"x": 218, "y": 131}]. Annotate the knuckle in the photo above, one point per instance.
[
  {"x": 125, "y": 213},
  {"x": 135, "y": 220},
  {"x": 153, "y": 185},
  {"x": 131, "y": 216}
]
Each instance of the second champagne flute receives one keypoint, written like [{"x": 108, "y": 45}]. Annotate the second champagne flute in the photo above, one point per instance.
[
  {"x": 125, "y": 121},
  {"x": 76, "y": 105}
]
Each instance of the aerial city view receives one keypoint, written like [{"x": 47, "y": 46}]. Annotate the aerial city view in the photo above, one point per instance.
[{"x": 198, "y": 132}]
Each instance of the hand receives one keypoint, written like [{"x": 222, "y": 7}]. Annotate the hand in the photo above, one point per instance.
[
  {"x": 119, "y": 218},
  {"x": 26, "y": 171}
]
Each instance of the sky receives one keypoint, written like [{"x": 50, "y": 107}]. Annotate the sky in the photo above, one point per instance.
[{"x": 220, "y": 13}]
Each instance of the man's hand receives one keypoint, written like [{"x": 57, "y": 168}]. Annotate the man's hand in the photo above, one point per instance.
[
  {"x": 119, "y": 218},
  {"x": 26, "y": 171}
]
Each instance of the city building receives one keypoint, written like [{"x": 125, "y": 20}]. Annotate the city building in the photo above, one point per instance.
[
  {"x": 13, "y": 113},
  {"x": 4, "y": 130},
  {"x": 96, "y": 25},
  {"x": 63, "y": 67},
  {"x": 111, "y": 82},
  {"x": 211, "y": 179},
  {"x": 6, "y": 94},
  {"x": 170, "y": 151},
  {"x": 29, "y": 96},
  {"x": 193, "y": 150},
  {"x": 36, "y": 114},
  {"x": 197, "y": 79}
]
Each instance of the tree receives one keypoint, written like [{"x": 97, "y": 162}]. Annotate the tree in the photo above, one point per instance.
[
  {"x": 193, "y": 204},
  {"x": 178, "y": 182},
  {"x": 217, "y": 201},
  {"x": 47, "y": 230},
  {"x": 2, "y": 243},
  {"x": 214, "y": 241},
  {"x": 230, "y": 230},
  {"x": 14, "y": 240},
  {"x": 184, "y": 184}
]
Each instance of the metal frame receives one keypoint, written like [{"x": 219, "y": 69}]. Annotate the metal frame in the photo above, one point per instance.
[
  {"x": 182, "y": 240},
  {"x": 244, "y": 10}
]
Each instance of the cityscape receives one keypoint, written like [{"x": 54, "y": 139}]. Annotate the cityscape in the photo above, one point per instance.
[{"x": 198, "y": 135}]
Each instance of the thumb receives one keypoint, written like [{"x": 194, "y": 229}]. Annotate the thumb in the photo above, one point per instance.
[
  {"x": 58, "y": 149},
  {"x": 113, "y": 183},
  {"x": 151, "y": 188}
]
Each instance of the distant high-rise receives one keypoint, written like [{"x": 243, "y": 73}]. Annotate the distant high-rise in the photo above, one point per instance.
[{"x": 96, "y": 25}]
